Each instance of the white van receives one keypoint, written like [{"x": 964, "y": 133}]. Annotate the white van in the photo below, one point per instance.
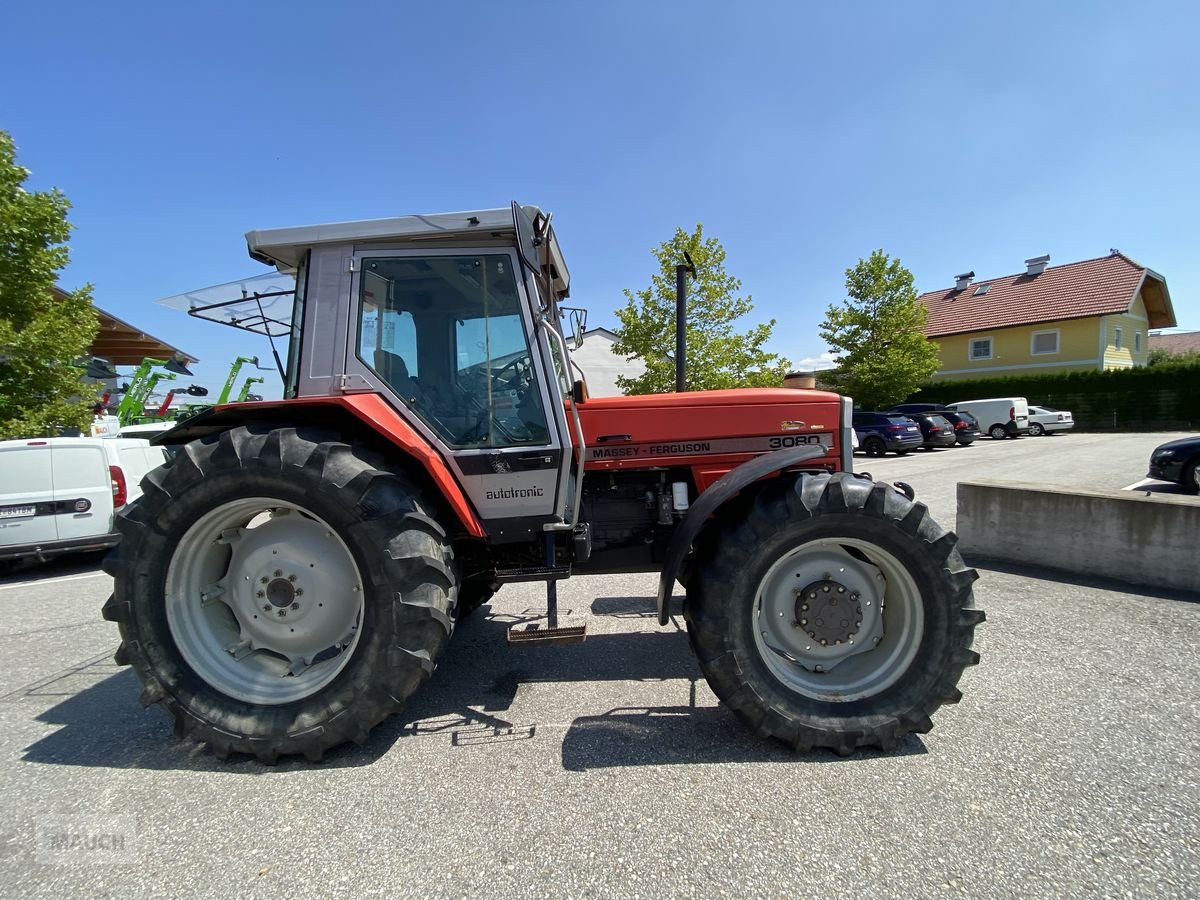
[
  {"x": 58, "y": 495},
  {"x": 1000, "y": 417}
]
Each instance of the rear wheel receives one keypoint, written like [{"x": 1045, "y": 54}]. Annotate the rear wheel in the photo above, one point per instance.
[
  {"x": 280, "y": 592},
  {"x": 1036, "y": 429},
  {"x": 998, "y": 432},
  {"x": 834, "y": 613},
  {"x": 874, "y": 446}
]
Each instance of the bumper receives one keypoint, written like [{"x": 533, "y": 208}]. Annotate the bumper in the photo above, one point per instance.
[
  {"x": 940, "y": 440},
  {"x": 1167, "y": 471},
  {"x": 1058, "y": 426},
  {"x": 902, "y": 443},
  {"x": 47, "y": 549}
]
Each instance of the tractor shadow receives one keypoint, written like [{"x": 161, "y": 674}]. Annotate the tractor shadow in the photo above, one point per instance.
[{"x": 470, "y": 702}]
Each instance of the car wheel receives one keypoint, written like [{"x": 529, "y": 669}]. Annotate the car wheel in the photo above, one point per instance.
[
  {"x": 1191, "y": 477},
  {"x": 1036, "y": 430},
  {"x": 998, "y": 432},
  {"x": 874, "y": 446}
]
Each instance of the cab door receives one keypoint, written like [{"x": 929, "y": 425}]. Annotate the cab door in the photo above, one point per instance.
[{"x": 447, "y": 336}]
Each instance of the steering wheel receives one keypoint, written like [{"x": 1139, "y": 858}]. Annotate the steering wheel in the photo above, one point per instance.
[{"x": 519, "y": 379}]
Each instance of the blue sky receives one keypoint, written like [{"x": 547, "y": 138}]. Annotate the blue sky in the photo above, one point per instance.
[{"x": 802, "y": 135}]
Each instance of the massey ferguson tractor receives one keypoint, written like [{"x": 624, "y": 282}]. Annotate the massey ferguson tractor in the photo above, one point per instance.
[{"x": 290, "y": 578}]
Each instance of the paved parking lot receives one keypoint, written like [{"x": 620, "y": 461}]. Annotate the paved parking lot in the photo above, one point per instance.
[{"x": 607, "y": 769}]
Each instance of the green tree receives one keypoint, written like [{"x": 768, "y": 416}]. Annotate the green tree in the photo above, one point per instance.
[
  {"x": 717, "y": 356},
  {"x": 878, "y": 334},
  {"x": 41, "y": 332},
  {"x": 1160, "y": 356}
]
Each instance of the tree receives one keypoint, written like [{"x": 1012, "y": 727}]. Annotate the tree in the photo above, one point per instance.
[
  {"x": 717, "y": 356},
  {"x": 878, "y": 335},
  {"x": 41, "y": 332},
  {"x": 1160, "y": 356}
]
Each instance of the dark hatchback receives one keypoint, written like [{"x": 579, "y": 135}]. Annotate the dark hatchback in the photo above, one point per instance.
[
  {"x": 936, "y": 430},
  {"x": 966, "y": 426},
  {"x": 880, "y": 432},
  {"x": 1178, "y": 461}
]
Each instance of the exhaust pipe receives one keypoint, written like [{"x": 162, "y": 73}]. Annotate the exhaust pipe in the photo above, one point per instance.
[{"x": 681, "y": 274}]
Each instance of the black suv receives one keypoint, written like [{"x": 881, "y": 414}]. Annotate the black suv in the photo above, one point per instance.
[
  {"x": 966, "y": 426},
  {"x": 880, "y": 432}
]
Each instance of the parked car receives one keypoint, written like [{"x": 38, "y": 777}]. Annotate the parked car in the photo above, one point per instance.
[
  {"x": 1000, "y": 417},
  {"x": 936, "y": 430},
  {"x": 1178, "y": 461},
  {"x": 1047, "y": 420},
  {"x": 966, "y": 426},
  {"x": 880, "y": 432},
  {"x": 58, "y": 495}
]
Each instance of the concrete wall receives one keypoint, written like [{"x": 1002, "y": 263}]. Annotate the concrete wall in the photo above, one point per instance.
[
  {"x": 1125, "y": 535},
  {"x": 601, "y": 366}
]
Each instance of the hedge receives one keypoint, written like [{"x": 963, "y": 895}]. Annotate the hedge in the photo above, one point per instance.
[{"x": 1163, "y": 397}]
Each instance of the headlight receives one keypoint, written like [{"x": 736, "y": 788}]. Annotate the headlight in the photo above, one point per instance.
[{"x": 1162, "y": 455}]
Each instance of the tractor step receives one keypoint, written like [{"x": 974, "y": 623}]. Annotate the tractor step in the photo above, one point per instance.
[
  {"x": 532, "y": 573},
  {"x": 539, "y": 634}
]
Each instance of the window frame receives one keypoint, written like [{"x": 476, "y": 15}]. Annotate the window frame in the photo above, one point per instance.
[
  {"x": 991, "y": 354},
  {"x": 1118, "y": 336},
  {"x": 1137, "y": 342},
  {"x": 1034, "y": 351}
]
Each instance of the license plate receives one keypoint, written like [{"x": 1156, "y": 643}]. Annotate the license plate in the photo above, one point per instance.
[
  {"x": 16, "y": 512},
  {"x": 912, "y": 427}
]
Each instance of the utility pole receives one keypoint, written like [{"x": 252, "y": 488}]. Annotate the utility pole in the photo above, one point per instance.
[{"x": 681, "y": 273}]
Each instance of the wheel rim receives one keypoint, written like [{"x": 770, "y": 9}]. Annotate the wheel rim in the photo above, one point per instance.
[
  {"x": 1035, "y": 429},
  {"x": 867, "y": 608},
  {"x": 999, "y": 432},
  {"x": 264, "y": 601}
]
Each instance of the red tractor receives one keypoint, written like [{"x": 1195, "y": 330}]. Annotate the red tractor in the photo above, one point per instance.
[{"x": 290, "y": 578}]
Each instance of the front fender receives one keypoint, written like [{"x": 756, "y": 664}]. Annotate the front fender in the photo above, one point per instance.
[{"x": 710, "y": 501}]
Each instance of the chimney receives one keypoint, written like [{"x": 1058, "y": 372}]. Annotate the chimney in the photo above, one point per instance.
[
  {"x": 1036, "y": 265},
  {"x": 963, "y": 281}
]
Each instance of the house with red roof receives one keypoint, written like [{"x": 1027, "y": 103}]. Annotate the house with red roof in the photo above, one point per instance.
[{"x": 1087, "y": 316}]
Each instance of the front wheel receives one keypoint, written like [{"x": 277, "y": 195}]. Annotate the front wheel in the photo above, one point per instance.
[
  {"x": 834, "y": 612},
  {"x": 1191, "y": 477},
  {"x": 874, "y": 446},
  {"x": 998, "y": 432},
  {"x": 280, "y": 592}
]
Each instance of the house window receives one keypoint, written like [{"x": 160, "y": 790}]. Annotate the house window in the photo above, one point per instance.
[
  {"x": 1117, "y": 338},
  {"x": 1137, "y": 342},
  {"x": 1044, "y": 342},
  {"x": 981, "y": 348}
]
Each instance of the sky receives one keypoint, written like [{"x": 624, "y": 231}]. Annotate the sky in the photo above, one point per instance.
[{"x": 954, "y": 136}]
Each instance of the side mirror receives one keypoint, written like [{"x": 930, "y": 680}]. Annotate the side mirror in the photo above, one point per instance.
[
  {"x": 579, "y": 392},
  {"x": 577, "y": 319}
]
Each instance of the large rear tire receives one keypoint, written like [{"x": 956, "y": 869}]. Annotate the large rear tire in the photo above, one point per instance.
[
  {"x": 833, "y": 612},
  {"x": 280, "y": 592}
]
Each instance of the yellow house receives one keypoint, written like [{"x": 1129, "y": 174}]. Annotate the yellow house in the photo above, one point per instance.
[{"x": 1085, "y": 316}]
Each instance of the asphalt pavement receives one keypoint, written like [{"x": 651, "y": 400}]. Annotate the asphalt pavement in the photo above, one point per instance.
[{"x": 608, "y": 768}]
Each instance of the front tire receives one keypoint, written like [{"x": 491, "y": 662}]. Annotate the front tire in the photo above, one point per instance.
[
  {"x": 1191, "y": 477},
  {"x": 874, "y": 446},
  {"x": 280, "y": 592},
  {"x": 834, "y": 612}
]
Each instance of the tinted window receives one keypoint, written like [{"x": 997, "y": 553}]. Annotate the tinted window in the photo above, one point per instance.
[{"x": 899, "y": 420}]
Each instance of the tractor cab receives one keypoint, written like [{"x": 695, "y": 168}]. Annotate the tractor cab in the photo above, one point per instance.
[{"x": 454, "y": 320}]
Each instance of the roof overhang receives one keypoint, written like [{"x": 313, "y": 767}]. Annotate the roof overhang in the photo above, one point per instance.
[
  {"x": 1157, "y": 299},
  {"x": 123, "y": 344}
]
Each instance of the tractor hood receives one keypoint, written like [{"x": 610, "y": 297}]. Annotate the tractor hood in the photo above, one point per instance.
[{"x": 673, "y": 420}]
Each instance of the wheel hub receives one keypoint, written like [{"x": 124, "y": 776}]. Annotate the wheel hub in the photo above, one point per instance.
[
  {"x": 280, "y": 592},
  {"x": 829, "y": 612}
]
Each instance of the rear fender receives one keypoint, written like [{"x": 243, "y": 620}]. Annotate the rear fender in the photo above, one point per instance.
[
  {"x": 728, "y": 486},
  {"x": 364, "y": 417}
]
